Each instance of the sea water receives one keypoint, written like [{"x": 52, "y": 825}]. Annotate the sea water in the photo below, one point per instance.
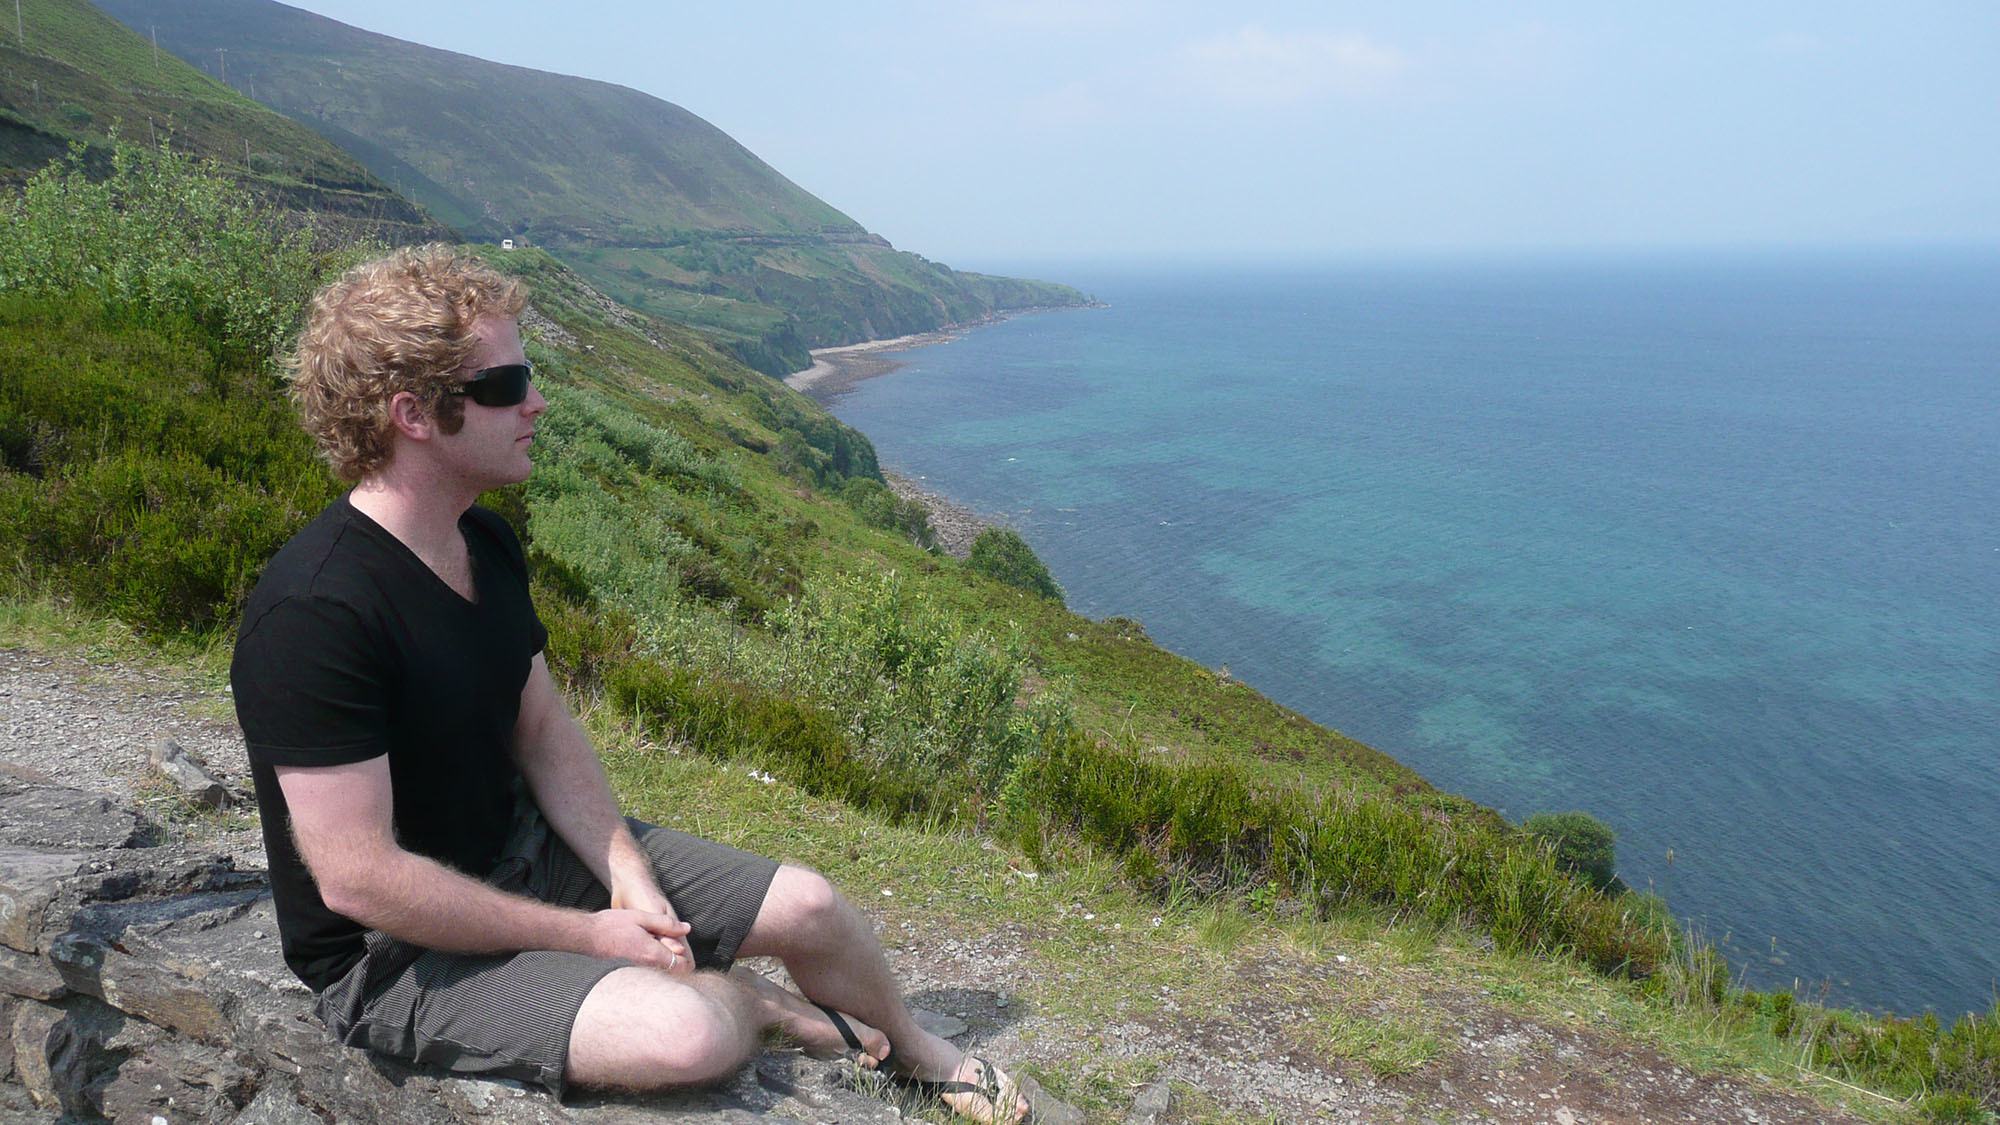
[{"x": 1707, "y": 548}]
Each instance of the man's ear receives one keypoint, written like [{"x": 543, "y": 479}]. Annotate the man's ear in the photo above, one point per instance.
[{"x": 411, "y": 418}]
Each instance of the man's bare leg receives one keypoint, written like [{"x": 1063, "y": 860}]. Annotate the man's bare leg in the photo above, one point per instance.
[
  {"x": 799, "y": 1020},
  {"x": 831, "y": 952},
  {"x": 641, "y": 1029}
]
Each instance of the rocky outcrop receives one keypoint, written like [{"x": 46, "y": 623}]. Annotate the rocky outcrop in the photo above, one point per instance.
[{"x": 143, "y": 982}]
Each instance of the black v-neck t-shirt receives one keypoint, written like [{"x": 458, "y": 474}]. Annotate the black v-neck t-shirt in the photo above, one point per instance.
[{"x": 352, "y": 648}]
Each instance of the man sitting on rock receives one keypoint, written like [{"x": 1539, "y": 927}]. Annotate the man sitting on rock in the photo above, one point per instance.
[{"x": 451, "y": 872}]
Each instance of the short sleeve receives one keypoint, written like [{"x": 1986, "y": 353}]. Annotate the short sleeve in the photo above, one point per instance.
[{"x": 310, "y": 685}]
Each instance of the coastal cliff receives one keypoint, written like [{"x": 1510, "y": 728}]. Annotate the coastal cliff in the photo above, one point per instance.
[{"x": 657, "y": 207}]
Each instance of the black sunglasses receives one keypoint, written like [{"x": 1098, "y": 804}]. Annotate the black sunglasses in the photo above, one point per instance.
[{"x": 505, "y": 385}]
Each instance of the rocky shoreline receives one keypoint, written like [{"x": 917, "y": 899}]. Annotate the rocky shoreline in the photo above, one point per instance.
[
  {"x": 836, "y": 370},
  {"x": 955, "y": 525}
]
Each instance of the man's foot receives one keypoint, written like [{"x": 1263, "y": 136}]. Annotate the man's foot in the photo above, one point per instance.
[
  {"x": 977, "y": 1090},
  {"x": 821, "y": 1032},
  {"x": 968, "y": 1085}
]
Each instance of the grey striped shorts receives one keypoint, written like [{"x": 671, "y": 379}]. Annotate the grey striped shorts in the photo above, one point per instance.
[{"x": 510, "y": 1015}]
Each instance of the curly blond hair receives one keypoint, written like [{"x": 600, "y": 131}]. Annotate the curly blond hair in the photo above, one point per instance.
[{"x": 402, "y": 322}]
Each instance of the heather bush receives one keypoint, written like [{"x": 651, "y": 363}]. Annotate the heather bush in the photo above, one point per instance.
[
  {"x": 1204, "y": 825},
  {"x": 880, "y": 507},
  {"x": 1581, "y": 842},
  {"x": 163, "y": 236},
  {"x": 142, "y": 476},
  {"x": 1002, "y": 555},
  {"x": 917, "y": 688},
  {"x": 782, "y": 735}
]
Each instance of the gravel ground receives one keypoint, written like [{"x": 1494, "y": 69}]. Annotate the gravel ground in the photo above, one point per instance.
[{"x": 66, "y": 720}]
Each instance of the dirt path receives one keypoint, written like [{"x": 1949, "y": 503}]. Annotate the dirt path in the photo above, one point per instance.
[{"x": 1285, "y": 1040}]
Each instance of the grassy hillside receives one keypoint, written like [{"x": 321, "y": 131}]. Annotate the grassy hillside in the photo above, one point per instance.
[
  {"x": 655, "y": 205},
  {"x": 80, "y": 75},
  {"x": 721, "y": 569}
]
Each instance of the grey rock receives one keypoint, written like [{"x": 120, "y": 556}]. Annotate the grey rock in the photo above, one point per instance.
[
  {"x": 171, "y": 1078},
  {"x": 59, "y": 1050},
  {"x": 30, "y": 880},
  {"x": 34, "y": 1044},
  {"x": 277, "y": 1103},
  {"x": 939, "y": 1024},
  {"x": 51, "y": 816},
  {"x": 8, "y": 1006},
  {"x": 190, "y": 776},
  {"x": 155, "y": 993},
  {"x": 1045, "y": 1108},
  {"x": 24, "y": 974},
  {"x": 1151, "y": 1104}
]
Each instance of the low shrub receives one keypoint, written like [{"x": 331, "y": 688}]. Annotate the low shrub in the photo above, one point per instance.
[
  {"x": 1581, "y": 842},
  {"x": 145, "y": 479},
  {"x": 1002, "y": 555},
  {"x": 918, "y": 688},
  {"x": 1203, "y": 824},
  {"x": 164, "y": 235},
  {"x": 782, "y": 735},
  {"x": 880, "y": 507}
]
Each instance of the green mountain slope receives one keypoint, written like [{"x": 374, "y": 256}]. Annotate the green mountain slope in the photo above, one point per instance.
[
  {"x": 76, "y": 75},
  {"x": 658, "y": 207}
]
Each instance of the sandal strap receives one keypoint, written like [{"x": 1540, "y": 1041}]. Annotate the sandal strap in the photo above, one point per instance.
[{"x": 841, "y": 1025}]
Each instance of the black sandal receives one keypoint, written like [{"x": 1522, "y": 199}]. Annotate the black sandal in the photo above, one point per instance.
[
  {"x": 988, "y": 1088},
  {"x": 841, "y": 1025}
]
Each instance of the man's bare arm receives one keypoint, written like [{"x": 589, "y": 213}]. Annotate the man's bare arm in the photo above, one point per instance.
[
  {"x": 569, "y": 786},
  {"x": 342, "y": 821}
]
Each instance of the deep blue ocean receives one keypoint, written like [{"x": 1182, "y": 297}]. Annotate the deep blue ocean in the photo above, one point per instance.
[{"x": 1707, "y": 547}]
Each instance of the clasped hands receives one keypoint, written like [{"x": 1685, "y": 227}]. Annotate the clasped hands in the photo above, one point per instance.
[{"x": 641, "y": 927}]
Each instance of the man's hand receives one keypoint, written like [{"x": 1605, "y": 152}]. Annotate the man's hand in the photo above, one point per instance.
[{"x": 642, "y": 937}]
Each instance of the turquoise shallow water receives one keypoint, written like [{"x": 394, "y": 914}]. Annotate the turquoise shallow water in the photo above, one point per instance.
[{"x": 1707, "y": 548}]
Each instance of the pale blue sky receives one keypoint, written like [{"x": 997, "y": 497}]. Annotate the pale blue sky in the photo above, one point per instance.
[{"x": 1040, "y": 130}]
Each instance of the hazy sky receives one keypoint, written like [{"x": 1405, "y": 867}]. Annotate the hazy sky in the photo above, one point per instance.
[{"x": 1037, "y": 129}]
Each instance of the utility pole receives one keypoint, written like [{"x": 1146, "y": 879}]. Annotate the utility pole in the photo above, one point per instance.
[
  {"x": 20, "y": 29},
  {"x": 156, "y": 46},
  {"x": 222, "y": 57},
  {"x": 246, "y": 154}
]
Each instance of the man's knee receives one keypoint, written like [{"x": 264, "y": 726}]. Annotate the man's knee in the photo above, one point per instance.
[
  {"x": 640, "y": 1029},
  {"x": 801, "y": 904},
  {"x": 814, "y": 898}
]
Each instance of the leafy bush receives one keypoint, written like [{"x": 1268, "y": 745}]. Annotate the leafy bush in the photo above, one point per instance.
[
  {"x": 163, "y": 236},
  {"x": 784, "y": 736},
  {"x": 882, "y": 508},
  {"x": 813, "y": 445},
  {"x": 141, "y": 477},
  {"x": 1582, "y": 843},
  {"x": 586, "y": 424},
  {"x": 1205, "y": 825},
  {"x": 1002, "y": 555},
  {"x": 917, "y": 688}
]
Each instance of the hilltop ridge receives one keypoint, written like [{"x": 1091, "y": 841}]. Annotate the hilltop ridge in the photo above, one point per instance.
[
  {"x": 658, "y": 207},
  {"x": 76, "y": 76}
]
